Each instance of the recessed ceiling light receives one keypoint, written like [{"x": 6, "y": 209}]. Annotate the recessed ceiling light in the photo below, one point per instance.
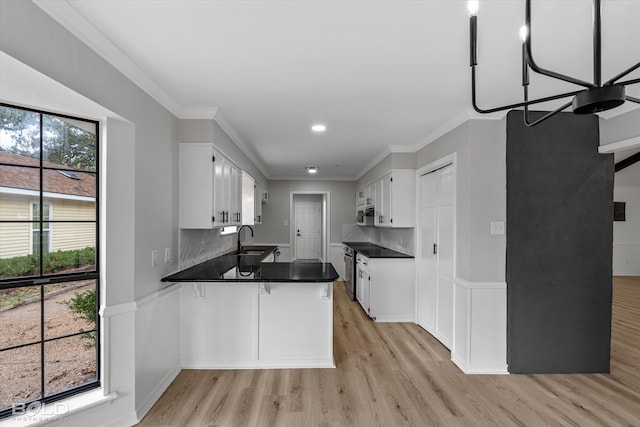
[
  {"x": 312, "y": 169},
  {"x": 318, "y": 128}
]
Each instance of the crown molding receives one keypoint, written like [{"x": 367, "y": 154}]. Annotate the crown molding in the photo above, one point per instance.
[
  {"x": 70, "y": 18},
  {"x": 625, "y": 144},
  {"x": 222, "y": 121},
  {"x": 312, "y": 178},
  {"x": 377, "y": 159}
]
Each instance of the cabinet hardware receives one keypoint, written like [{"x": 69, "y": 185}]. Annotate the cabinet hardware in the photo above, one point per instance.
[
  {"x": 435, "y": 249},
  {"x": 213, "y": 158},
  {"x": 213, "y": 219}
]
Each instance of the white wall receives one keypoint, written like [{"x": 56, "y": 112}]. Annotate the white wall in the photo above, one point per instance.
[{"x": 626, "y": 234}]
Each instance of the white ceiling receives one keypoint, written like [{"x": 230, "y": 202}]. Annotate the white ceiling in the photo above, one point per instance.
[{"x": 382, "y": 75}]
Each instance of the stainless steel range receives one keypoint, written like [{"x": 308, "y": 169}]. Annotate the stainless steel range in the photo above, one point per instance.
[{"x": 349, "y": 270}]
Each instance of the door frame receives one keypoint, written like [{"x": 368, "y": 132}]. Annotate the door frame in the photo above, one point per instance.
[
  {"x": 325, "y": 222},
  {"x": 450, "y": 159}
]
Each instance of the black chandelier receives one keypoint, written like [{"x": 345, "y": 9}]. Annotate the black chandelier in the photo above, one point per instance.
[{"x": 595, "y": 97}]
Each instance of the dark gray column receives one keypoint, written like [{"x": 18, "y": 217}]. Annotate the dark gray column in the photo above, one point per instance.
[{"x": 559, "y": 246}]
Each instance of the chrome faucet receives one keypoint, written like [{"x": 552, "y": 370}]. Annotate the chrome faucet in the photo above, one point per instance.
[{"x": 239, "y": 230}]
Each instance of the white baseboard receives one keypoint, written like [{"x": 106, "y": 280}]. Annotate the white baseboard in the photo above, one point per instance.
[
  {"x": 152, "y": 398},
  {"x": 256, "y": 364},
  {"x": 478, "y": 370},
  {"x": 406, "y": 319}
]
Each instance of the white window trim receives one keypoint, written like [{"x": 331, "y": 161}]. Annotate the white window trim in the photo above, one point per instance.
[{"x": 31, "y": 229}]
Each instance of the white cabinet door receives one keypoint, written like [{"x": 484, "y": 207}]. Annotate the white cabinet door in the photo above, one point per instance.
[
  {"x": 295, "y": 323},
  {"x": 220, "y": 327},
  {"x": 235, "y": 195},
  {"x": 394, "y": 199},
  {"x": 258, "y": 203},
  {"x": 392, "y": 289},
  {"x": 370, "y": 194},
  {"x": 248, "y": 199},
  {"x": 196, "y": 186},
  {"x": 360, "y": 198},
  {"x": 220, "y": 192},
  {"x": 363, "y": 283}
]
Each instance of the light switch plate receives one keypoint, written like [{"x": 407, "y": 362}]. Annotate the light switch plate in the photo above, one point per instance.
[
  {"x": 497, "y": 227},
  {"x": 154, "y": 258},
  {"x": 167, "y": 255}
]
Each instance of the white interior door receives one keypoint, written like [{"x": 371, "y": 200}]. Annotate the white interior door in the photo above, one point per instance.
[
  {"x": 444, "y": 260},
  {"x": 308, "y": 220},
  {"x": 436, "y": 267},
  {"x": 427, "y": 287}
]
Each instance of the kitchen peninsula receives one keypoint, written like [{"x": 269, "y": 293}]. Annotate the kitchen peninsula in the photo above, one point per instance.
[{"x": 238, "y": 311}]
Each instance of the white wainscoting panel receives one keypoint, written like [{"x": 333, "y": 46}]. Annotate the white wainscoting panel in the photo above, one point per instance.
[
  {"x": 480, "y": 327},
  {"x": 157, "y": 346},
  {"x": 626, "y": 260}
]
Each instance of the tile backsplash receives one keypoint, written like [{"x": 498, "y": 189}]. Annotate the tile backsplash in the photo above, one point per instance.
[
  {"x": 398, "y": 239},
  {"x": 197, "y": 246}
]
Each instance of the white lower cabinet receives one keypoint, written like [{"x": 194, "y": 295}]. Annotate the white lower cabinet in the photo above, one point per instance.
[
  {"x": 219, "y": 324},
  {"x": 295, "y": 324},
  {"x": 385, "y": 288},
  {"x": 229, "y": 325}
]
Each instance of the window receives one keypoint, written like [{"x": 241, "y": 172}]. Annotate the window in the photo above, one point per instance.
[
  {"x": 40, "y": 236},
  {"x": 49, "y": 260}
]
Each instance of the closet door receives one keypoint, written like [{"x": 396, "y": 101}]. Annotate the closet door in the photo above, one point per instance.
[
  {"x": 427, "y": 286},
  {"x": 435, "y": 287}
]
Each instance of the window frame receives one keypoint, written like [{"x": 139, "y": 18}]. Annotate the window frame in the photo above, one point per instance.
[
  {"x": 43, "y": 279},
  {"x": 34, "y": 222}
]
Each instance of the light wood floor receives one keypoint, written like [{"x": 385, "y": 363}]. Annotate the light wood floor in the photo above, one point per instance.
[{"x": 398, "y": 374}]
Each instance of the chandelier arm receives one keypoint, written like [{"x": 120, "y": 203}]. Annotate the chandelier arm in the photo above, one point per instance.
[
  {"x": 511, "y": 106},
  {"x": 613, "y": 80},
  {"x": 532, "y": 64},
  {"x": 628, "y": 82},
  {"x": 632, "y": 99},
  {"x": 545, "y": 117}
]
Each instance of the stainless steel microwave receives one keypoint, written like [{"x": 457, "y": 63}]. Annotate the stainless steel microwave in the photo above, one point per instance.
[{"x": 365, "y": 216}]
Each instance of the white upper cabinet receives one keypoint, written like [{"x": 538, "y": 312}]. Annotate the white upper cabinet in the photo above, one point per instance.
[
  {"x": 196, "y": 178},
  {"x": 394, "y": 199},
  {"x": 210, "y": 188},
  {"x": 370, "y": 195},
  {"x": 258, "y": 195},
  {"x": 248, "y": 200},
  {"x": 360, "y": 198}
]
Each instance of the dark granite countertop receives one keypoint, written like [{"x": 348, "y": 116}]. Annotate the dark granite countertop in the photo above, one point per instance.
[
  {"x": 372, "y": 250},
  {"x": 250, "y": 268}
]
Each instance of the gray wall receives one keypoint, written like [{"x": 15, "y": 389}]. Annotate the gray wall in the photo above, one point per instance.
[
  {"x": 32, "y": 37},
  {"x": 273, "y": 230},
  {"x": 480, "y": 195},
  {"x": 392, "y": 161},
  {"x": 140, "y": 159}
]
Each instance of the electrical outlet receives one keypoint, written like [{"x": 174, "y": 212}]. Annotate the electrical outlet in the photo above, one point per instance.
[
  {"x": 154, "y": 258},
  {"x": 167, "y": 255},
  {"x": 497, "y": 227}
]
